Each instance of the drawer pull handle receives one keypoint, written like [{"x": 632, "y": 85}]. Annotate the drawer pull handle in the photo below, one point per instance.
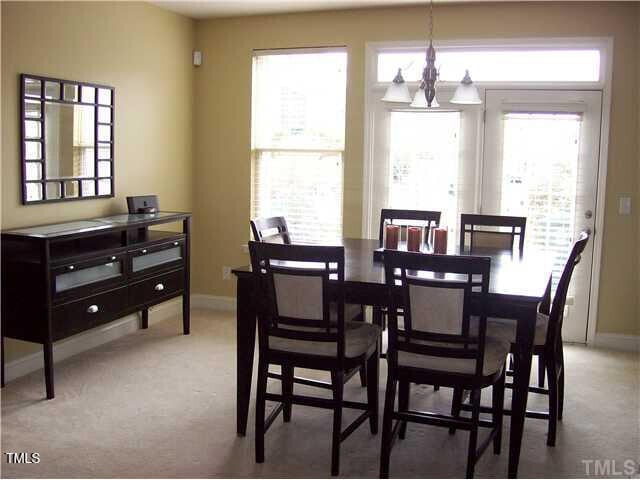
[
  {"x": 159, "y": 287},
  {"x": 175, "y": 243},
  {"x": 144, "y": 251},
  {"x": 92, "y": 309},
  {"x": 113, "y": 258},
  {"x": 71, "y": 267}
]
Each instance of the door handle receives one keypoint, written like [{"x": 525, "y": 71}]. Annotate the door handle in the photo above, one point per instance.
[{"x": 588, "y": 214}]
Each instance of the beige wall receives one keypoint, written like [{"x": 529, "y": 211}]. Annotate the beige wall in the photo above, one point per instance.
[
  {"x": 141, "y": 50},
  {"x": 223, "y": 115}
]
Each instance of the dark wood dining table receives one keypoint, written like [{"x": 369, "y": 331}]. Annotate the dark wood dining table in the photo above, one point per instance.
[{"x": 517, "y": 286}]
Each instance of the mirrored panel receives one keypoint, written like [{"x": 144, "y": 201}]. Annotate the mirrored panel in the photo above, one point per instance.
[
  {"x": 67, "y": 138},
  {"x": 104, "y": 96},
  {"x": 54, "y": 191},
  {"x": 32, "y": 87},
  {"x": 69, "y": 133},
  {"x": 33, "y": 170},
  {"x": 88, "y": 94},
  {"x": 32, "y": 109},
  {"x": 70, "y": 92},
  {"x": 88, "y": 188},
  {"x": 52, "y": 90},
  {"x": 104, "y": 114},
  {"x": 32, "y": 129},
  {"x": 32, "y": 150},
  {"x": 104, "y": 186},
  {"x": 71, "y": 189},
  {"x": 104, "y": 169},
  {"x": 33, "y": 192}
]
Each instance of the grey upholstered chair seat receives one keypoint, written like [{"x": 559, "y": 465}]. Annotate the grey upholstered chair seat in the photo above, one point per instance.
[
  {"x": 360, "y": 338},
  {"x": 495, "y": 354},
  {"x": 351, "y": 311},
  {"x": 505, "y": 329}
]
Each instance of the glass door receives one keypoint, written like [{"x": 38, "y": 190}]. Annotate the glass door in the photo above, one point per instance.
[{"x": 541, "y": 161}]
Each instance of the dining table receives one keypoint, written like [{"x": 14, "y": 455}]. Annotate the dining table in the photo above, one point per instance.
[{"x": 518, "y": 285}]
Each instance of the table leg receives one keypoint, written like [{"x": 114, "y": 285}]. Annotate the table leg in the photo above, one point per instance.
[
  {"x": 245, "y": 345},
  {"x": 144, "y": 318},
  {"x": 524, "y": 353}
]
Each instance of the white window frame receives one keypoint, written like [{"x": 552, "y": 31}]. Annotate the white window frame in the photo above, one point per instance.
[{"x": 374, "y": 90}]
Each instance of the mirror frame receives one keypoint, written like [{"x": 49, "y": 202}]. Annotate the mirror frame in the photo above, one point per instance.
[{"x": 62, "y": 182}]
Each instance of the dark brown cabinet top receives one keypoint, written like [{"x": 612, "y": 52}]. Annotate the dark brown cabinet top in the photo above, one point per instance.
[{"x": 98, "y": 225}]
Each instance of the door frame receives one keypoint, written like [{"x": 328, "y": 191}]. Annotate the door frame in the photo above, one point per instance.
[{"x": 374, "y": 90}]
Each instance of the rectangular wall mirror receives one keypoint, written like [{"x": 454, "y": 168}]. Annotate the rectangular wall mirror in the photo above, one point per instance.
[{"x": 67, "y": 134}]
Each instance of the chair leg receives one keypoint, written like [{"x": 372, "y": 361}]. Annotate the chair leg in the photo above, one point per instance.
[
  {"x": 337, "y": 380},
  {"x": 436, "y": 388},
  {"x": 387, "y": 424},
  {"x": 263, "y": 368},
  {"x": 373, "y": 372},
  {"x": 473, "y": 433},
  {"x": 363, "y": 369},
  {"x": 541, "y": 368},
  {"x": 497, "y": 414},
  {"x": 287, "y": 391},
  {"x": 561, "y": 385},
  {"x": 403, "y": 404},
  {"x": 552, "y": 379},
  {"x": 456, "y": 404}
]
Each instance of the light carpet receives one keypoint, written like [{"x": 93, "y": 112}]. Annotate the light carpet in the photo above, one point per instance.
[{"x": 160, "y": 404}]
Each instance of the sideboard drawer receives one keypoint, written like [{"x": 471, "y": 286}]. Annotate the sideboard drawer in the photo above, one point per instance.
[
  {"x": 156, "y": 289},
  {"x": 155, "y": 258},
  {"x": 88, "y": 276},
  {"x": 74, "y": 317}
]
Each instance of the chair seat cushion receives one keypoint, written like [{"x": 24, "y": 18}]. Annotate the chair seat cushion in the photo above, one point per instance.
[
  {"x": 360, "y": 338},
  {"x": 495, "y": 354},
  {"x": 505, "y": 329}
]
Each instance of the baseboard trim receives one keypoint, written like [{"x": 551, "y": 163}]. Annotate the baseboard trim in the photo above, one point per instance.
[
  {"x": 617, "y": 341},
  {"x": 87, "y": 340},
  {"x": 213, "y": 302}
]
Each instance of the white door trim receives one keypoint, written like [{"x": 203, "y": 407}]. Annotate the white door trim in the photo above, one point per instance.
[{"x": 605, "y": 44}]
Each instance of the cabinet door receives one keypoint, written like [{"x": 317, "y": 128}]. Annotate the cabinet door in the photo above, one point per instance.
[
  {"x": 88, "y": 275},
  {"x": 157, "y": 258}
]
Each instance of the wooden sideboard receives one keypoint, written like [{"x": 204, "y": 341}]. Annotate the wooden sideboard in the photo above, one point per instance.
[{"x": 62, "y": 279}]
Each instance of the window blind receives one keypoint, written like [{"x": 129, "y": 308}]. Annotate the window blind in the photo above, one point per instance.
[{"x": 298, "y": 123}]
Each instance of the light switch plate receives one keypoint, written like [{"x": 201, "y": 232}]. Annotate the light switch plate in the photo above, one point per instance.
[{"x": 624, "y": 205}]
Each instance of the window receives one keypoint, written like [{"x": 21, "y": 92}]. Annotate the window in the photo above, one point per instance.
[
  {"x": 424, "y": 167},
  {"x": 298, "y": 125},
  {"x": 512, "y": 65}
]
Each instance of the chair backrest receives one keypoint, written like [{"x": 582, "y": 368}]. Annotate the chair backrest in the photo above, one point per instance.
[
  {"x": 556, "y": 315},
  {"x": 435, "y": 293},
  {"x": 299, "y": 283},
  {"x": 425, "y": 218},
  {"x": 492, "y": 239},
  {"x": 271, "y": 230}
]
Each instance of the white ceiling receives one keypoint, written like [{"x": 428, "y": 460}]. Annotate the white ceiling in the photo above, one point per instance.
[{"x": 227, "y": 8}]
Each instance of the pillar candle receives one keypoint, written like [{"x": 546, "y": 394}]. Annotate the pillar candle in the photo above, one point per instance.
[
  {"x": 414, "y": 239},
  {"x": 440, "y": 240},
  {"x": 392, "y": 237}
]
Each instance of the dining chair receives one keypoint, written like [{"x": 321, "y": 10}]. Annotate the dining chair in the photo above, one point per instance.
[
  {"x": 548, "y": 345},
  {"x": 303, "y": 323},
  {"x": 436, "y": 346},
  {"x": 275, "y": 230},
  {"x": 426, "y": 218},
  {"x": 271, "y": 230},
  {"x": 488, "y": 236}
]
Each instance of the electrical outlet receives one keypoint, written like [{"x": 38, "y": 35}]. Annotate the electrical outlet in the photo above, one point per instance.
[
  {"x": 226, "y": 273},
  {"x": 624, "y": 205}
]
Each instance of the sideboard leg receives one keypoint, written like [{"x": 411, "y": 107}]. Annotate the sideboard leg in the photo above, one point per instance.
[
  {"x": 186, "y": 314},
  {"x": 2, "y": 361},
  {"x": 145, "y": 318},
  {"x": 47, "y": 349}
]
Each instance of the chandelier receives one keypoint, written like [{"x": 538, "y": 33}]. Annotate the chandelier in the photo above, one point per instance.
[{"x": 425, "y": 97}]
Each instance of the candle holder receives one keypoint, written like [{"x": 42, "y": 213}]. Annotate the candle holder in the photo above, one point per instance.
[{"x": 391, "y": 236}]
